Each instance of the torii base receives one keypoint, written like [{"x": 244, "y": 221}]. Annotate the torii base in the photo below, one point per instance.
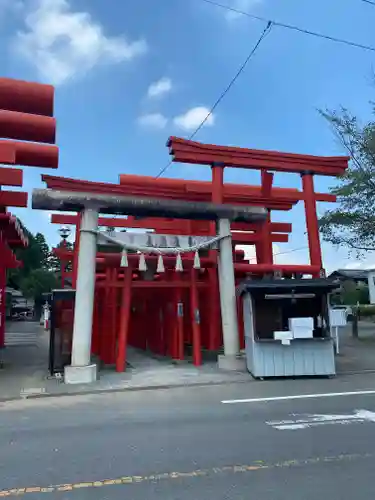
[
  {"x": 80, "y": 374},
  {"x": 232, "y": 363}
]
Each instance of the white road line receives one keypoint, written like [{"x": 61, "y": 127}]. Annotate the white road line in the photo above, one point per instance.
[{"x": 297, "y": 396}]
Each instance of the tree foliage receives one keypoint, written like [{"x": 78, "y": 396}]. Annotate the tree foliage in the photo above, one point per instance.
[
  {"x": 38, "y": 282},
  {"x": 37, "y": 275},
  {"x": 352, "y": 223}
]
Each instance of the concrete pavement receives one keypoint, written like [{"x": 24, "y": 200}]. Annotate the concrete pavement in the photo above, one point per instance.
[
  {"x": 25, "y": 373},
  {"x": 185, "y": 443}
]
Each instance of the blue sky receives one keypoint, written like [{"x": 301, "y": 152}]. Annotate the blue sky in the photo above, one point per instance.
[{"x": 129, "y": 73}]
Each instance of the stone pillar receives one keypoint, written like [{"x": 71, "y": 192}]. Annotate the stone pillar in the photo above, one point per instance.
[
  {"x": 231, "y": 359},
  {"x": 81, "y": 370}
]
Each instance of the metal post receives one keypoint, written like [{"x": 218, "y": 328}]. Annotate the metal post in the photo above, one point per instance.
[
  {"x": 230, "y": 360},
  {"x": 81, "y": 370},
  {"x": 355, "y": 323}
]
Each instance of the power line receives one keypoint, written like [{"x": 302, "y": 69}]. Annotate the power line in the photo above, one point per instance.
[
  {"x": 295, "y": 28},
  {"x": 266, "y": 31},
  {"x": 279, "y": 253}
]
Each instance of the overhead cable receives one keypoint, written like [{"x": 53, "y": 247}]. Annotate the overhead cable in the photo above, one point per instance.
[
  {"x": 265, "y": 32},
  {"x": 293, "y": 27}
]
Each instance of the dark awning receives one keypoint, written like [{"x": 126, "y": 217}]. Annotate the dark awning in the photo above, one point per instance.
[{"x": 273, "y": 286}]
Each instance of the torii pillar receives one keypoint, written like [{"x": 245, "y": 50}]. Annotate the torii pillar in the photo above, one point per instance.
[{"x": 81, "y": 370}]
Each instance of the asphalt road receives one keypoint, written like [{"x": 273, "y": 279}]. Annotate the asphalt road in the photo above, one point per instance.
[{"x": 186, "y": 444}]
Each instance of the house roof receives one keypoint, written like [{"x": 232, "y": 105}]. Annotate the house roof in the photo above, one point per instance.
[{"x": 351, "y": 274}]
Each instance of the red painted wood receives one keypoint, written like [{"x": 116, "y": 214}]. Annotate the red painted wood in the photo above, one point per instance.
[
  {"x": 124, "y": 321},
  {"x": 10, "y": 176},
  {"x": 7, "y": 154},
  {"x": 267, "y": 180},
  {"x": 26, "y": 97},
  {"x": 185, "y": 151},
  {"x": 30, "y": 154},
  {"x": 25, "y": 127},
  {"x": 187, "y": 190},
  {"x": 240, "y": 162},
  {"x": 13, "y": 199},
  {"x": 312, "y": 222},
  {"x": 268, "y": 268},
  {"x": 195, "y": 319}
]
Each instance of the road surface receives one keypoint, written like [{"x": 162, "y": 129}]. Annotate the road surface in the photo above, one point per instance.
[{"x": 187, "y": 444}]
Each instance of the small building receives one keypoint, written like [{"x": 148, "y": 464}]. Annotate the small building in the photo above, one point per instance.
[{"x": 353, "y": 286}]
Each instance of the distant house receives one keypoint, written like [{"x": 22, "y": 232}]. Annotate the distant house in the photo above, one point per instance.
[
  {"x": 16, "y": 302},
  {"x": 357, "y": 275},
  {"x": 354, "y": 285}
]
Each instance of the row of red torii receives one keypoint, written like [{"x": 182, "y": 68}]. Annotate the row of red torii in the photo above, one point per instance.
[{"x": 167, "y": 298}]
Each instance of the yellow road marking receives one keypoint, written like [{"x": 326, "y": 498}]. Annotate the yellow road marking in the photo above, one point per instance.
[{"x": 234, "y": 469}]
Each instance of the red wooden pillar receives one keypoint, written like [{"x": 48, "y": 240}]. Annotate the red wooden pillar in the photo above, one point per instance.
[
  {"x": 178, "y": 318},
  {"x": 124, "y": 320},
  {"x": 107, "y": 319},
  {"x": 215, "y": 340},
  {"x": 95, "y": 325},
  {"x": 2, "y": 305},
  {"x": 312, "y": 220},
  {"x": 264, "y": 250},
  {"x": 114, "y": 315},
  {"x": 195, "y": 319}
]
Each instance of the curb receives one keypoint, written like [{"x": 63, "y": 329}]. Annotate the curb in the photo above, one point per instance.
[{"x": 123, "y": 389}]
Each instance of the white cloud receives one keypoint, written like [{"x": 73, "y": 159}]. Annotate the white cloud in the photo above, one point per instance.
[
  {"x": 159, "y": 88},
  {"x": 240, "y": 5},
  {"x": 153, "y": 121},
  {"x": 64, "y": 44},
  {"x": 193, "y": 118}
]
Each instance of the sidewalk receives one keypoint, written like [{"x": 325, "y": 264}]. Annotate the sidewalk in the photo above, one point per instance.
[
  {"x": 25, "y": 372},
  {"x": 357, "y": 355}
]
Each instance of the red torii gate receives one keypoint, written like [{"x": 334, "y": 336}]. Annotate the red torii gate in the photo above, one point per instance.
[
  {"x": 219, "y": 157},
  {"x": 262, "y": 234},
  {"x": 26, "y": 114}
]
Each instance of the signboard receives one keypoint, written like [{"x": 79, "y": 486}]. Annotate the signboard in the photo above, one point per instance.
[{"x": 337, "y": 317}]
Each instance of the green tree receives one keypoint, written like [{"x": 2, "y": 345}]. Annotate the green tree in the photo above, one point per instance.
[
  {"x": 352, "y": 223},
  {"x": 38, "y": 282},
  {"x": 41, "y": 244},
  {"x": 54, "y": 263},
  {"x": 34, "y": 256}
]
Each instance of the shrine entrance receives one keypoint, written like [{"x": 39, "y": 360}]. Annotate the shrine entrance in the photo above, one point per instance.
[{"x": 177, "y": 297}]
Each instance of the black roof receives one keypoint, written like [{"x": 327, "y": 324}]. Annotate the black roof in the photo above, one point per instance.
[
  {"x": 351, "y": 274},
  {"x": 314, "y": 285}
]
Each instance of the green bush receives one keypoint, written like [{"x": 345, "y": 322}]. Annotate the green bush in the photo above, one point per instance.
[{"x": 366, "y": 310}]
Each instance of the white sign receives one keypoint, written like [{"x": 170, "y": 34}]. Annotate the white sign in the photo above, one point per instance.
[
  {"x": 359, "y": 416},
  {"x": 337, "y": 317}
]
